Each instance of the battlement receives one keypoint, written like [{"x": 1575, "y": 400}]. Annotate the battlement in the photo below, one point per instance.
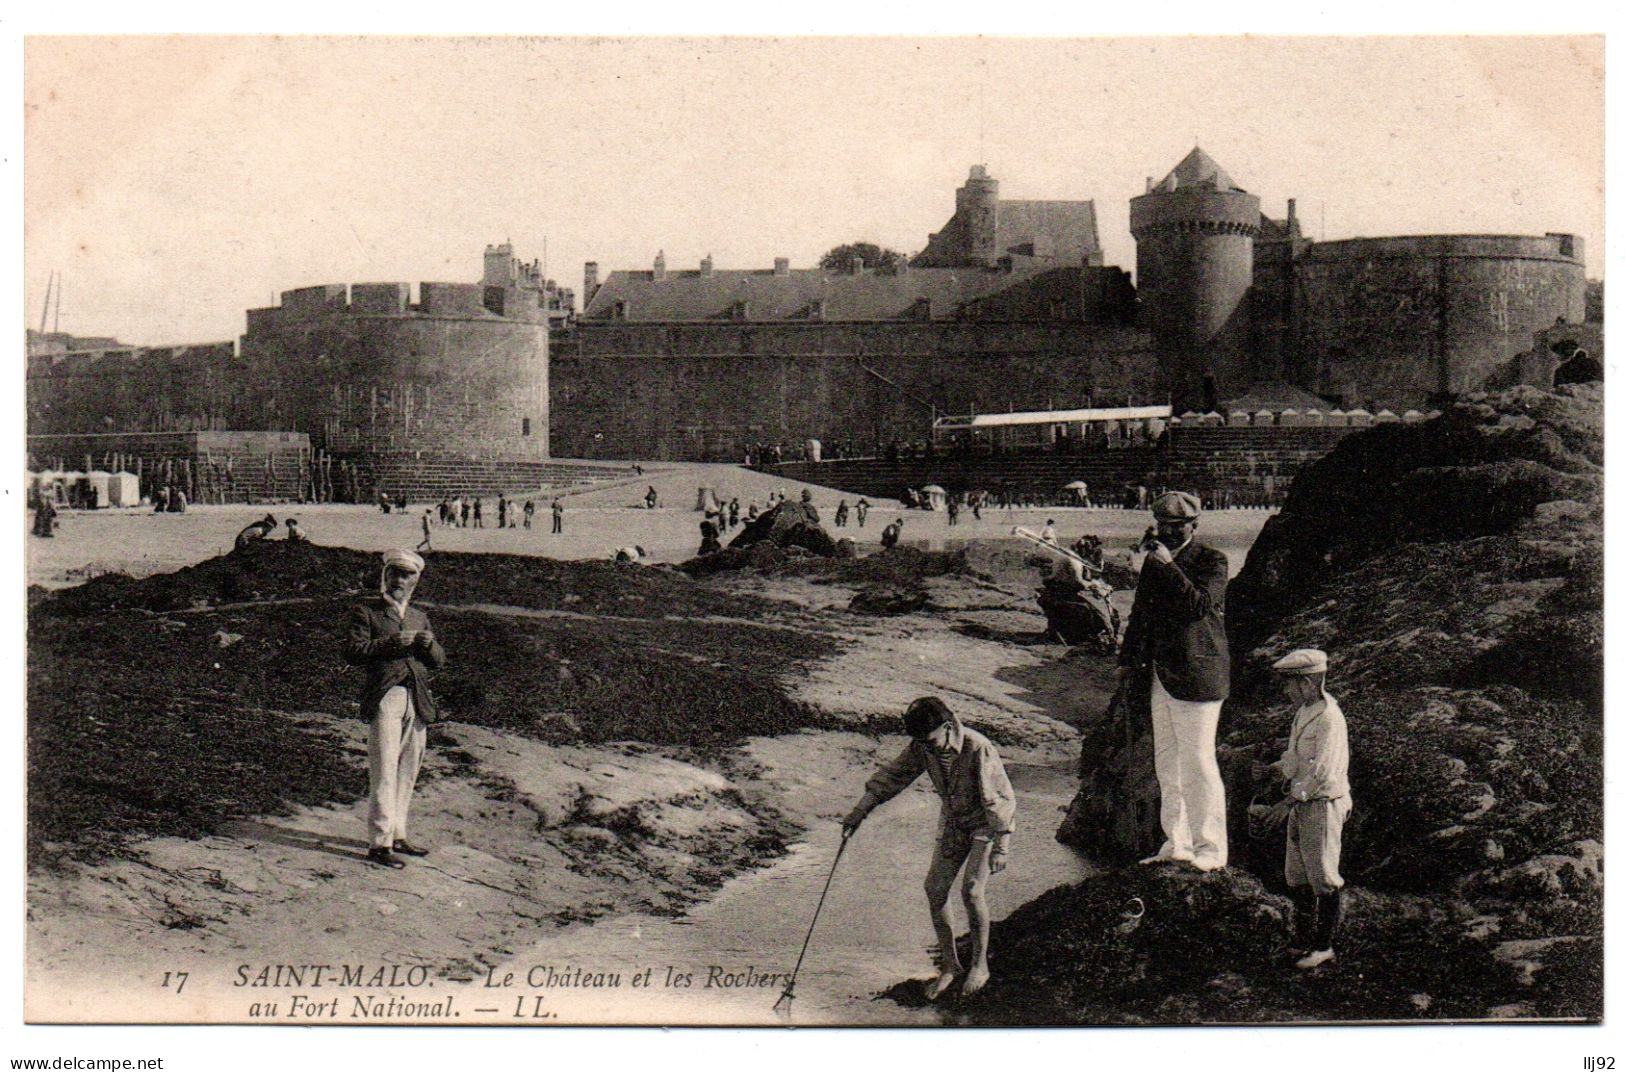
[{"x": 1567, "y": 248}]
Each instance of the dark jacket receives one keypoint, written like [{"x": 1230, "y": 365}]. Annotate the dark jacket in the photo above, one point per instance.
[
  {"x": 1177, "y": 624},
  {"x": 374, "y": 642}
]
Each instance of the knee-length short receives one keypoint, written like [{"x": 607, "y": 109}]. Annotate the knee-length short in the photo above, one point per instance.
[{"x": 1314, "y": 843}]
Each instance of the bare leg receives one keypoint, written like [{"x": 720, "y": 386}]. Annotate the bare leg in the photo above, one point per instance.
[
  {"x": 939, "y": 882},
  {"x": 973, "y": 889}
]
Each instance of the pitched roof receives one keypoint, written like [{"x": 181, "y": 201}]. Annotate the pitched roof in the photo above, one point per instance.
[
  {"x": 1197, "y": 171},
  {"x": 1057, "y": 233},
  {"x": 1068, "y": 225},
  {"x": 871, "y": 295}
]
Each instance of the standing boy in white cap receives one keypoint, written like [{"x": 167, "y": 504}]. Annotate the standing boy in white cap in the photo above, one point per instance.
[
  {"x": 1176, "y": 635},
  {"x": 392, "y": 639},
  {"x": 1315, "y": 773}
]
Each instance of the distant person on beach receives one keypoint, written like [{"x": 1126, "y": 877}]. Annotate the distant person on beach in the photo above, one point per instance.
[
  {"x": 973, "y": 830},
  {"x": 862, "y": 511},
  {"x": 479, "y": 513},
  {"x": 630, "y": 554},
  {"x": 530, "y": 511},
  {"x": 295, "y": 533},
  {"x": 45, "y": 517},
  {"x": 889, "y": 534},
  {"x": 255, "y": 532},
  {"x": 393, "y": 641},
  {"x": 1314, "y": 773},
  {"x": 558, "y": 516},
  {"x": 1048, "y": 535},
  {"x": 465, "y": 512},
  {"x": 502, "y": 511},
  {"x": 841, "y": 512},
  {"x": 651, "y": 498},
  {"x": 425, "y": 544},
  {"x": 1176, "y": 642},
  {"x": 709, "y": 544}
]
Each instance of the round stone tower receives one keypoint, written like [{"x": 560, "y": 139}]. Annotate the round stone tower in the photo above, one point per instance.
[
  {"x": 976, "y": 208},
  {"x": 1193, "y": 236}
]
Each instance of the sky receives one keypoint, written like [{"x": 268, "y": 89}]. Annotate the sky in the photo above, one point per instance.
[{"x": 175, "y": 182}]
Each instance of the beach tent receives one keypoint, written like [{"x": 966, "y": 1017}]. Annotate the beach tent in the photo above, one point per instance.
[
  {"x": 124, "y": 489},
  {"x": 935, "y": 497},
  {"x": 98, "y": 489}
]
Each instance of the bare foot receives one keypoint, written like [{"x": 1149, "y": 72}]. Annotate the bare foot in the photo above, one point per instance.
[
  {"x": 941, "y": 983},
  {"x": 974, "y": 981}
]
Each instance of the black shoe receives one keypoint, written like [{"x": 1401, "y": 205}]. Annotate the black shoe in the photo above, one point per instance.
[
  {"x": 385, "y": 858},
  {"x": 406, "y": 848}
]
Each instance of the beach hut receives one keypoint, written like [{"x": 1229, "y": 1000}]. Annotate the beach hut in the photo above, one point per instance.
[
  {"x": 1386, "y": 416},
  {"x": 1337, "y": 419},
  {"x": 1240, "y": 418},
  {"x": 1359, "y": 418},
  {"x": 1413, "y": 416},
  {"x": 1263, "y": 418},
  {"x": 97, "y": 484},
  {"x": 124, "y": 489},
  {"x": 1313, "y": 418}
]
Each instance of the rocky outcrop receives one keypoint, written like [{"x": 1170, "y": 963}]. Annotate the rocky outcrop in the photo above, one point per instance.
[{"x": 1453, "y": 572}]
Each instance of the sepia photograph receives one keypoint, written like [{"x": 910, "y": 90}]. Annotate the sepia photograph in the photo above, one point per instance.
[{"x": 813, "y": 531}]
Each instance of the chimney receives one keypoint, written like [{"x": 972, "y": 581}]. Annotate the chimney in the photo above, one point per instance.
[
  {"x": 660, "y": 265},
  {"x": 706, "y": 265},
  {"x": 1291, "y": 215},
  {"x": 857, "y": 265},
  {"x": 589, "y": 282},
  {"x": 781, "y": 265},
  {"x": 1148, "y": 184}
]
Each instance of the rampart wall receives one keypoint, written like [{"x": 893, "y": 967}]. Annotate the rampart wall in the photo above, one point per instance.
[
  {"x": 1397, "y": 321},
  {"x": 138, "y": 389},
  {"x": 707, "y": 390}
]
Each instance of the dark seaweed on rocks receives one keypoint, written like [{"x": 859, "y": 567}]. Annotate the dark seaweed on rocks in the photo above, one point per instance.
[{"x": 143, "y": 724}]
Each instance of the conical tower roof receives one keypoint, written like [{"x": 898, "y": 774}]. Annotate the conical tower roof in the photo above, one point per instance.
[{"x": 1198, "y": 171}]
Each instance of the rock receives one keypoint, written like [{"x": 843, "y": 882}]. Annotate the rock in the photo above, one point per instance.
[{"x": 1527, "y": 957}]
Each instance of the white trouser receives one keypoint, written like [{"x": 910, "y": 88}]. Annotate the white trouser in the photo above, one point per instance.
[
  {"x": 1183, "y": 733},
  {"x": 394, "y": 754}
]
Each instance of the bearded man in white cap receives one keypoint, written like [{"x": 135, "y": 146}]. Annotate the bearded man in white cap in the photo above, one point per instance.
[
  {"x": 393, "y": 641},
  {"x": 1176, "y": 635},
  {"x": 1314, "y": 771}
]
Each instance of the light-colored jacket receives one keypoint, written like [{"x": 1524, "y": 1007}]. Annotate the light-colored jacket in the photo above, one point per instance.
[
  {"x": 975, "y": 791},
  {"x": 1316, "y": 761}
]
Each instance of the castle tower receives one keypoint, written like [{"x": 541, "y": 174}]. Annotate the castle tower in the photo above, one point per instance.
[
  {"x": 976, "y": 211},
  {"x": 501, "y": 270},
  {"x": 1193, "y": 236}
]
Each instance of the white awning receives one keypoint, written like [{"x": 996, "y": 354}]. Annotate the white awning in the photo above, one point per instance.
[{"x": 1055, "y": 416}]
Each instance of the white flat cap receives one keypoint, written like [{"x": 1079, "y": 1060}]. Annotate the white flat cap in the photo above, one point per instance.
[
  {"x": 406, "y": 560},
  {"x": 1301, "y": 662}
]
